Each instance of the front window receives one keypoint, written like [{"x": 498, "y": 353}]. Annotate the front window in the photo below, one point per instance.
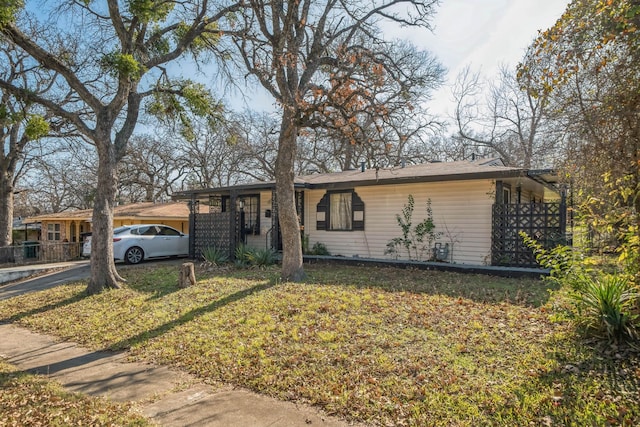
[
  {"x": 53, "y": 232},
  {"x": 341, "y": 211}
]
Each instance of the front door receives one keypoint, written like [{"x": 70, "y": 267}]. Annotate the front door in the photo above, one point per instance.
[{"x": 276, "y": 244}]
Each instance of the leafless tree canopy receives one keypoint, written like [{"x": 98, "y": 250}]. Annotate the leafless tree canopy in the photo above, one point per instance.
[
  {"x": 21, "y": 123},
  {"x": 502, "y": 119}
]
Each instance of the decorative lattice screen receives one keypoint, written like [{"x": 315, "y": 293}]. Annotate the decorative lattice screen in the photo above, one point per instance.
[
  {"x": 214, "y": 230},
  {"x": 545, "y": 222}
]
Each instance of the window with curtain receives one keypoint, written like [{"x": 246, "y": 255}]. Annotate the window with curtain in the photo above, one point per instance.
[{"x": 341, "y": 211}]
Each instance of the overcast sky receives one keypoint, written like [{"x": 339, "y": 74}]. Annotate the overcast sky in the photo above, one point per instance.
[
  {"x": 484, "y": 34},
  {"x": 479, "y": 33}
]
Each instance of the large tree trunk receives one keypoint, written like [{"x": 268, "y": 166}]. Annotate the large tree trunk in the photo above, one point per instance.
[
  {"x": 292, "y": 269},
  {"x": 6, "y": 209},
  {"x": 103, "y": 269}
]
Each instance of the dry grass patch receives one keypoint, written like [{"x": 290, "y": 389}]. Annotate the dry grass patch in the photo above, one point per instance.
[
  {"x": 378, "y": 345},
  {"x": 30, "y": 400}
]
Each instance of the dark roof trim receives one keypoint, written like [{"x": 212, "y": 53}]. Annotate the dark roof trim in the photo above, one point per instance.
[
  {"x": 224, "y": 191},
  {"x": 419, "y": 179}
]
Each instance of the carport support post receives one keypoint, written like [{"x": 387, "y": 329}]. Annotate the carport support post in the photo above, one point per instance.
[
  {"x": 193, "y": 210},
  {"x": 499, "y": 198},
  {"x": 563, "y": 212},
  {"x": 233, "y": 225}
]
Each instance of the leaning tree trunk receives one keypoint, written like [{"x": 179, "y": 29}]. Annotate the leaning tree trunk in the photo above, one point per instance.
[
  {"x": 103, "y": 269},
  {"x": 292, "y": 268},
  {"x": 6, "y": 209}
]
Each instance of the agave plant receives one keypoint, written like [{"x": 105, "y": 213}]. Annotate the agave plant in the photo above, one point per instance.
[
  {"x": 262, "y": 257},
  {"x": 215, "y": 256},
  {"x": 243, "y": 254},
  {"x": 605, "y": 304}
]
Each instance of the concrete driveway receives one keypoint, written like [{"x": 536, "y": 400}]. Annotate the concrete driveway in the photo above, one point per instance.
[
  {"x": 19, "y": 280},
  {"x": 61, "y": 273}
]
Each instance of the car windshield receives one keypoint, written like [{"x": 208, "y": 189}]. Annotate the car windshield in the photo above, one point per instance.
[{"x": 120, "y": 229}]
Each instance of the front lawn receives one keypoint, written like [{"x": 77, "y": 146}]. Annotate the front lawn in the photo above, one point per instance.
[{"x": 382, "y": 346}]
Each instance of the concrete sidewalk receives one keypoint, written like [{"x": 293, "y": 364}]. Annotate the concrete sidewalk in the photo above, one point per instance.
[{"x": 166, "y": 396}]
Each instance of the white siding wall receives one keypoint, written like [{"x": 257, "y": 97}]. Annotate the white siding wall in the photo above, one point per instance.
[{"x": 461, "y": 207}]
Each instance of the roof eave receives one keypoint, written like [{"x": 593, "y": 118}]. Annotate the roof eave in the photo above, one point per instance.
[
  {"x": 226, "y": 191},
  {"x": 538, "y": 175},
  {"x": 419, "y": 179},
  {"x": 350, "y": 183}
]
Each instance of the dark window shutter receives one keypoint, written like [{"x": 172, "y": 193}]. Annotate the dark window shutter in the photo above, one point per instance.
[
  {"x": 323, "y": 207},
  {"x": 357, "y": 206}
]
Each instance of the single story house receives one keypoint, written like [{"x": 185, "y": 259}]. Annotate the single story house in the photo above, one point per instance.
[
  {"x": 72, "y": 226},
  {"x": 477, "y": 207}
]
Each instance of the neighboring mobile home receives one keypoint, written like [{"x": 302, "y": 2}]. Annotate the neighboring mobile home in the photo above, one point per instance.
[{"x": 478, "y": 208}]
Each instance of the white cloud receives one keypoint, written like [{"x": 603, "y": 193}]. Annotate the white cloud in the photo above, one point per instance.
[
  {"x": 485, "y": 34},
  {"x": 489, "y": 32}
]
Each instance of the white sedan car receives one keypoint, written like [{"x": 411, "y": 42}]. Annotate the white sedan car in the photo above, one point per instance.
[{"x": 134, "y": 243}]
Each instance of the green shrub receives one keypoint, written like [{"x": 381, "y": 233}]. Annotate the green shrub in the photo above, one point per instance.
[
  {"x": 214, "y": 255},
  {"x": 262, "y": 257},
  {"x": 320, "y": 249},
  {"x": 417, "y": 240},
  {"x": 558, "y": 260},
  {"x": 317, "y": 249},
  {"x": 605, "y": 305},
  {"x": 243, "y": 254}
]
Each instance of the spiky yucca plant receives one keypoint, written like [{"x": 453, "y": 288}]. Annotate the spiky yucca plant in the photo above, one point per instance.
[
  {"x": 262, "y": 257},
  {"x": 214, "y": 255},
  {"x": 605, "y": 304}
]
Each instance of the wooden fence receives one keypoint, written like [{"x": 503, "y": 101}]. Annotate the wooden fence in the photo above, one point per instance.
[{"x": 34, "y": 252}]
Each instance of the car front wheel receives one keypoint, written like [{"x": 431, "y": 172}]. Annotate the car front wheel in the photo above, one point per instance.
[{"x": 134, "y": 255}]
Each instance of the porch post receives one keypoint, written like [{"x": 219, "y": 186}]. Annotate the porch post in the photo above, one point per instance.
[
  {"x": 275, "y": 224},
  {"x": 499, "y": 193},
  {"x": 563, "y": 212},
  {"x": 233, "y": 224},
  {"x": 193, "y": 210}
]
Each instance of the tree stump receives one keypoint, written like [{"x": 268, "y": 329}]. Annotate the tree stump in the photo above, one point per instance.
[{"x": 187, "y": 275}]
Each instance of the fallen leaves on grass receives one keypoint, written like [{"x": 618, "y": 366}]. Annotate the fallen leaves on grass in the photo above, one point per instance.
[
  {"x": 380, "y": 346},
  {"x": 28, "y": 400}
]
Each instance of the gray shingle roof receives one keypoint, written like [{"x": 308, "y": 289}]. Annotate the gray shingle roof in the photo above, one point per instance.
[
  {"x": 425, "y": 172},
  {"x": 436, "y": 171}
]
